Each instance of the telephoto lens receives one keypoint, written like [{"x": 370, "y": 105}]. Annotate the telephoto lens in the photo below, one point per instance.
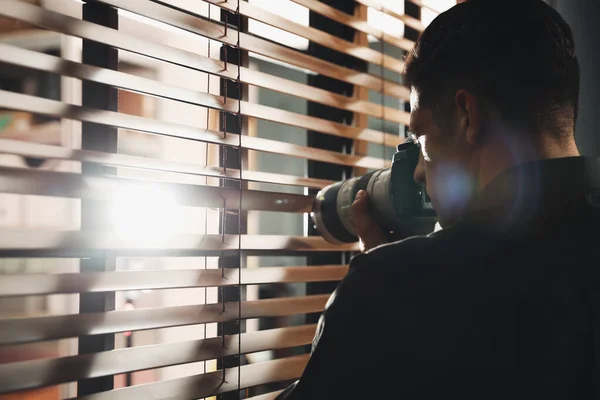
[{"x": 398, "y": 204}]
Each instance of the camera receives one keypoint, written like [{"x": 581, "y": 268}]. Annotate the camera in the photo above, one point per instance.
[{"x": 398, "y": 204}]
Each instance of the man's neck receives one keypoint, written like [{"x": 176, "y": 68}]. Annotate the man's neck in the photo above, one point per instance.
[{"x": 502, "y": 153}]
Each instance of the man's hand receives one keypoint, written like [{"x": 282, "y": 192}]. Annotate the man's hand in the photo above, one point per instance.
[{"x": 368, "y": 230}]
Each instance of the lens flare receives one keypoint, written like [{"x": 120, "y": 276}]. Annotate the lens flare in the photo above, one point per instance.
[
  {"x": 144, "y": 214},
  {"x": 455, "y": 188}
]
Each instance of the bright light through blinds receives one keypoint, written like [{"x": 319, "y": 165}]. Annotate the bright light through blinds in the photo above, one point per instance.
[
  {"x": 428, "y": 15},
  {"x": 145, "y": 214},
  {"x": 286, "y": 9},
  {"x": 389, "y": 25}
]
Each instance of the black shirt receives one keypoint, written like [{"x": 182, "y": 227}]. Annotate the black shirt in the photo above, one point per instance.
[{"x": 503, "y": 305}]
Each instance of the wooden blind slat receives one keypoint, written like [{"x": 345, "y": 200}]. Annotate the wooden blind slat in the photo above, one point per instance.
[
  {"x": 269, "y": 177},
  {"x": 26, "y": 330},
  {"x": 310, "y": 153},
  {"x": 42, "y": 151},
  {"x": 423, "y": 4},
  {"x": 45, "y": 62},
  {"x": 22, "y": 102},
  {"x": 42, "y": 284},
  {"x": 45, "y": 372},
  {"x": 72, "y": 26},
  {"x": 333, "y": 42},
  {"x": 17, "y": 101},
  {"x": 38, "y": 105},
  {"x": 85, "y": 244},
  {"x": 253, "y": 143},
  {"x": 105, "y": 188},
  {"x": 254, "y": 44},
  {"x": 408, "y": 20},
  {"x": 319, "y": 124},
  {"x": 37, "y": 150},
  {"x": 353, "y": 22},
  {"x": 204, "y": 99},
  {"x": 205, "y": 385},
  {"x": 322, "y": 96}
]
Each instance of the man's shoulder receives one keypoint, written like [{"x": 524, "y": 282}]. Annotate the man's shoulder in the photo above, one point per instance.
[
  {"x": 408, "y": 245},
  {"x": 422, "y": 258},
  {"x": 388, "y": 261},
  {"x": 412, "y": 249}
]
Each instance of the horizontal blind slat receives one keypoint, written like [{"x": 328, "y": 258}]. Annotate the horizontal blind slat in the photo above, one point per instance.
[
  {"x": 307, "y": 92},
  {"x": 36, "y": 150},
  {"x": 42, "y": 284},
  {"x": 105, "y": 188},
  {"x": 54, "y": 108},
  {"x": 206, "y": 385},
  {"x": 314, "y": 35},
  {"x": 252, "y": 143},
  {"x": 425, "y": 4},
  {"x": 22, "y": 102},
  {"x": 38, "y": 243},
  {"x": 26, "y": 330},
  {"x": 72, "y": 26},
  {"x": 293, "y": 180},
  {"x": 253, "y": 44},
  {"x": 321, "y": 125},
  {"x": 353, "y": 22},
  {"x": 312, "y": 153},
  {"x": 45, "y": 372},
  {"x": 44, "y": 62},
  {"x": 408, "y": 20}
]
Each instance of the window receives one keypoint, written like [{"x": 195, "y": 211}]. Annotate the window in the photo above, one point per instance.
[
  {"x": 286, "y": 9},
  {"x": 377, "y": 17},
  {"x": 158, "y": 165}
]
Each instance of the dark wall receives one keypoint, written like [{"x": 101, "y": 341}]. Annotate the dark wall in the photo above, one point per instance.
[{"x": 584, "y": 18}]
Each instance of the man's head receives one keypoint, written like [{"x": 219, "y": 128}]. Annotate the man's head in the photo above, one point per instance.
[{"x": 493, "y": 84}]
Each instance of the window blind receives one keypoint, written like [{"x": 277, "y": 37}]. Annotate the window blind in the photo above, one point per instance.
[{"x": 158, "y": 164}]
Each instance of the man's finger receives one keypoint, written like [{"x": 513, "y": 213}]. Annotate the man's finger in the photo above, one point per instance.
[
  {"x": 367, "y": 229},
  {"x": 360, "y": 212}
]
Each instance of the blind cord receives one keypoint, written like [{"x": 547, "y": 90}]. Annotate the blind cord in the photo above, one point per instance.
[{"x": 241, "y": 168}]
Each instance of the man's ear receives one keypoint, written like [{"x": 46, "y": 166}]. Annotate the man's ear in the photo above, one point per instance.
[{"x": 469, "y": 115}]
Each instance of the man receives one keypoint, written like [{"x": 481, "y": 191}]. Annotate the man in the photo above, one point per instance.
[{"x": 503, "y": 303}]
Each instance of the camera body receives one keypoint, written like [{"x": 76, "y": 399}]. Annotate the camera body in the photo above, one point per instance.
[{"x": 398, "y": 204}]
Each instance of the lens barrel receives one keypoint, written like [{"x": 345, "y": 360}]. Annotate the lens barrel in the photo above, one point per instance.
[
  {"x": 332, "y": 209},
  {"x": 396, "y": 201}
]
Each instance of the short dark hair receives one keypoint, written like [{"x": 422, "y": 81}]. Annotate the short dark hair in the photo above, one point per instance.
[{"x": 517, "y": 56}]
